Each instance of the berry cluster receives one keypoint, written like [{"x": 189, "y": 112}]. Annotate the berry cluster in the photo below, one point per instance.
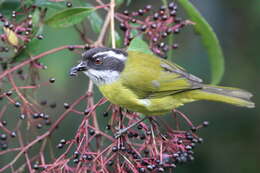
[
  {"x": 157, "y": 26},
  {"x": 143, "y": 148},
  {"x": 29, "y": 112},
  {"x": 16, "y": 34}
]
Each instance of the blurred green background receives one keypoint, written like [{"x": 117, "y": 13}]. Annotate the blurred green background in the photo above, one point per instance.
[{"x": 232, "y": 141}]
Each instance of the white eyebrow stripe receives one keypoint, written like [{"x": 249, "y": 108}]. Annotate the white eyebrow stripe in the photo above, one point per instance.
[{"x": 111, "y": 54}]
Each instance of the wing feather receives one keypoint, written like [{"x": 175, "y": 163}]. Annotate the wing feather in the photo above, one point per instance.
[{"x": 153, "y": 77}]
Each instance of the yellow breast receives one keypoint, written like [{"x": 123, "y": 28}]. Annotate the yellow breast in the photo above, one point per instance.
[{"x": 116, "y": 93}]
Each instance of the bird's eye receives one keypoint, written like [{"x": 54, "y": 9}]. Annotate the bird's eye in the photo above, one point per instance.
[{"x": 98, "y": 61}]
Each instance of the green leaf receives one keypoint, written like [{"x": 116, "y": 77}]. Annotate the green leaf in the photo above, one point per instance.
[
  {"x": 96, "y": 22},
  {"x": 138, "y": 44},
  {"x": 69, "y": 17},
  {"x": 119, "y": 2},
  {"x": 128, "y": 2},
  {"x": 49, "y": 4},
  {"x": 1, "y": 2},
  {"x": 209, "y": 39},
  {"x": 36, "y": 17}
]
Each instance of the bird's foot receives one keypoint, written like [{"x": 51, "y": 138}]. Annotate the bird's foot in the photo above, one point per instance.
[{"x": 120, "y": 132}]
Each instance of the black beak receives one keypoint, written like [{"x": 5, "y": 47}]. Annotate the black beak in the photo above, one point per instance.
[{"x": 82, "y": 66}]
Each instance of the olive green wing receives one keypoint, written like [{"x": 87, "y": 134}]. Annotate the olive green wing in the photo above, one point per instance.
[{"x": 152, "y": 77}]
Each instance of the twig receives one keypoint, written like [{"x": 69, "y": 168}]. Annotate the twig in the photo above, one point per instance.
[
  {"x": 29, "y": 60},
  {"x": 112, "y": 23}
]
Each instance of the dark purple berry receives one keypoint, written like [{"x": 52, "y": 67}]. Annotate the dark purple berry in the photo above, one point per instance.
[
  {"x": 142, "y": 136},
  {"x": 4, "y": 146},
  {"x": 205, "y": 123},
  {"x": 141, "y": 170},
  {"x": 156, "y": 16},
  {"x": 108, "y": 127},
  {"x": 66, "y": 105},
  {"x": 47, "y": 122},
  {"x": 89, "y": 157},
  {"x": 68, "y": 4},
  {"x": 114, "y": 149},
  {"x": 105, "y": 114},
  {"x": 39, "y": 126},
  {"x": 194, "y": 129},
  {"x": 161, "y": 45},
  {"x": 154, "y": 26},
  {"x": 3, "y": 137},
  {"x": 4, "y": 122},
  {"x": 76, "y": 161},
  {"x": 133, "y": 20},
  {"x": 13, "y": 134},
  {"x": 155, "y": 39},
  {"x": 123, "y": 27},
  {"x": 164, "y": 17},
  {"x": 148, "y": 7},
  {"x": 143, "y": 28},
  {"x": 171, "y": 5},
  {"x": 71, "y": 48},
  {"x": 22, "y": 116},
  {"x": 150, "y": 167},
  {"x": 173, "y": 13},
  {"x": 141, "y": 12},
  {"x": 63, "y": 141},
  {"x": 52, "y": 80},
  {"x": 161, "y": 169},
  {"x": 91, "y": 132},
  {"x": 36, "y": 115},
  {"x": 176, "y": 31},
  {"x": 6, "y": 24},
  {"x": 86, "y": 112},
  {"x": 17, "y": 104},
  {"x": 60, "y": 145},
  {"x": 175, "y": 46},
  {"x": 76, "y": 155},
  {"x": 162, "y": 8},
  {"x": 40, "y": 37},
  {"x": 9, "y": 93},
  {"x": 46, "y": 116},
  {"x": 164, "y": 34},
  {"x": 29, "y": 16},
  {"x": 200, "y": 140},
  {"x": 110, "y": 162},
  {"x": 125, "y": 12}
]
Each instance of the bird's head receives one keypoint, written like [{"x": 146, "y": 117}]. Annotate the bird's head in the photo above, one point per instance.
[{"x": 101, "y": 65}]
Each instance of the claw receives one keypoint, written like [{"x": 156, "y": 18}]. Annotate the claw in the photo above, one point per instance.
[{"x": 120, "y": 132}]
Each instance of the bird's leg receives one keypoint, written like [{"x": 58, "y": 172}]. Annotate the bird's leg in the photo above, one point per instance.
[{"x": 124, "y": 130}]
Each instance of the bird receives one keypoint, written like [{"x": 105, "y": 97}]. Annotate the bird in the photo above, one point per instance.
[
  {"x": 148, "y": 84},
  {"x": 145, "y": 83}
]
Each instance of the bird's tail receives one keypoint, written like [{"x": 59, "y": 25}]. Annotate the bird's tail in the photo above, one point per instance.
[{"x": 229, "y": 95}]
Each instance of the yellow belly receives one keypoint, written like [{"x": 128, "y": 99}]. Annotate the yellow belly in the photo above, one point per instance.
[{"x": 122, "y": 96}]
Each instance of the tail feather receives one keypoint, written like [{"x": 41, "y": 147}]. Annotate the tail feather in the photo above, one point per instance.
[{"x": 229, "y": 95}]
